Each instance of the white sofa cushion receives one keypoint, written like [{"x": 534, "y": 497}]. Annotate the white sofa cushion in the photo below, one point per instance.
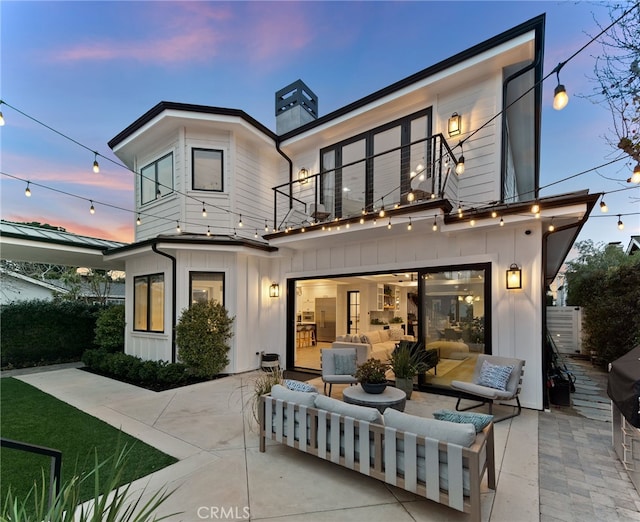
[
  {"x": 350, "y": 410},
  {"x": 460, "y": 434},
  {"x": 303, "y": 398}
]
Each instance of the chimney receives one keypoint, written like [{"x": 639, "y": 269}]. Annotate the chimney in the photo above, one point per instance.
[{"x": 296, "y": 105}]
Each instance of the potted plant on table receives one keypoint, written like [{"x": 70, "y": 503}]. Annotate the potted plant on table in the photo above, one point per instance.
[
  {"x": 406, "y": 364},
  {"x": 372, "y": 375}
]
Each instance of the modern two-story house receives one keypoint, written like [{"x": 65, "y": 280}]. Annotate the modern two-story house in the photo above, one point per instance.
[{"x": 415, "y": 207}]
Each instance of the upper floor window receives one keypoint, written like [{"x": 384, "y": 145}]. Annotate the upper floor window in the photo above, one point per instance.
[
  {"x": 148, "y": 303},
  {"x": 157, "y": 179},
  {"x": 206, "y": 169}
]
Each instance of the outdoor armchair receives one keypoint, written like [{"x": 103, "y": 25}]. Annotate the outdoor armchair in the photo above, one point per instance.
[{"x": 338, "y": 366}]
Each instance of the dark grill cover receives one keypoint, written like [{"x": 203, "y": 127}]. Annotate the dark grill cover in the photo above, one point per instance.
[{"x": 623, "y": 386}]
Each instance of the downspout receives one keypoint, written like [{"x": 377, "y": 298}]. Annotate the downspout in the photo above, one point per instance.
[{"x": 154, "y": 247}]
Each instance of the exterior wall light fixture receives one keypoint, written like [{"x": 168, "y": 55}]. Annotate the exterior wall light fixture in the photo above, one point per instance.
[
  {"x": 455, "y": 125},
  {"x": 303, "y": 176},
  {"x": 514, "y": 277},
  {"x": 274, "y": 290}
]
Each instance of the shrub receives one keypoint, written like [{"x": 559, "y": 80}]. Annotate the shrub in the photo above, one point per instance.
[
  {"x": 156, "y": 375},
  {"x": 202, "y": 336},
  {"x": 110, "y": 327},
  {"x": 44, "y": 332}
]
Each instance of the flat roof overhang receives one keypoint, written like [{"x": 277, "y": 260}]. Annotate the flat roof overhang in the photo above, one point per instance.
[{"x": 55, "y": 253}]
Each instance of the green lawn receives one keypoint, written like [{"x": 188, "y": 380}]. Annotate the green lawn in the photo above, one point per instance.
[{"x": 29, "y": 415}]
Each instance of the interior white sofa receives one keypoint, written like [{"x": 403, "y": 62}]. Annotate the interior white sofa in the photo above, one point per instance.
[
  {"x": 439, "y": 460},
  {"x": 377, "y": 343},
  {"x": 450, "y": 349}
]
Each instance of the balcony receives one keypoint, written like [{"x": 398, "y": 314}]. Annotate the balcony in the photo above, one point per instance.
[{"x": 417, "y": 176}]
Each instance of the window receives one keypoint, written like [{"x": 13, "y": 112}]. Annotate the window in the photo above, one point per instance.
[
  {"x": 206, "y": 286},
  {"x": 156, "y": 179},
  {"x": 206, "y": 169},
  {"x": 148, "y": 303},
  {"x": 377, "y": 167}
]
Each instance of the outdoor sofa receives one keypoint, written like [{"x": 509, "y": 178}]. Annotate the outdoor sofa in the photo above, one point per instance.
[{"x": 440, "y": 460}]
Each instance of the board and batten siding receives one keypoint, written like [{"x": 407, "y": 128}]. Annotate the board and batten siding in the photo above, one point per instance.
[
  {"x": 516, "y": 315},
  {"x": 152, "y": 346}
]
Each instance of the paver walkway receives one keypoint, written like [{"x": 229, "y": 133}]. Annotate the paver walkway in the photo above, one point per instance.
[{"x": 580, "y": 476}]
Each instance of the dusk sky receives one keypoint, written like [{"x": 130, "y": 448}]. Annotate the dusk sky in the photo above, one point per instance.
[{"x": 89, "y": 69}]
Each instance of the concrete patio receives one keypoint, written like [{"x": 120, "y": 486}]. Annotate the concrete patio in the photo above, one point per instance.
[{"x": 222, "y": 475}]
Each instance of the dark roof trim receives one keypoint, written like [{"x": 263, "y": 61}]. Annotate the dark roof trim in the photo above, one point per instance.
[
  {"x": 194, "y": 240},
  {"x": 535, "y": 24},
  {"x": 525, "y": 206},
  {"x": 187, "y": 107}
]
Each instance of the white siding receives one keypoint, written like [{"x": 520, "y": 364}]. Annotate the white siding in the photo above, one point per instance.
[{"x": 516, "y": 315}]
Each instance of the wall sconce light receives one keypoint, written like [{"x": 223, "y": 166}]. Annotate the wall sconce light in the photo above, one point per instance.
[
  {"x": 303, "y": 176},
  {"x": 455, "y": 125},
  {"x": 514, "y": 277},
  {"x": 274, "y": 290}
]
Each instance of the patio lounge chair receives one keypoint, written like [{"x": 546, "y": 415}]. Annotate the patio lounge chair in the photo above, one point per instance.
[
  {"x": 338, "y": 367},
  {"x": 494, "y": 378}
]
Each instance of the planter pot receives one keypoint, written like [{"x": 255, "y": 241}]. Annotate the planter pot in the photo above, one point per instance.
[
  {"x": 377, "y": 387},
  {"x": 406, "y": 385}
]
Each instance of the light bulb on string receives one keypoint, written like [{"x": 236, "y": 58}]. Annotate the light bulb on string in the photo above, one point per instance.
[
  {"x": 138, "y": 220},
  {"x": 460, "y": 164},
  {"x": 240, "y": 224},
  {"x": 535, "y": 208},
  {"x": 1, "y": 119},
  {"x": 27, "y": 191},
  {"x": 204, "y": 210},
  {"x": 501, "y": 222},
  {"x": 409, "y": 226},
  {"x": 635, "y": 177},
  {"x": 381, "y": 214},
  {"x": 560, "y": 96},
  {"x": 208, "y": 231},
  {"x": 178, "y": 227},
  {"x": 266, "y": 227},
  {"x": 460, "y": 213},
  {"x": 256, "y": 234},
  {"x": 389, "y": 224},
  {"x": 603, "y": 206},
  {"x": 92, "y": 209},
  {"x": 551, "y": 226},
  {"x": 620, "y": 223},
  {"x": 96, "y": 167},
  {"x": 434, "y": 227}
]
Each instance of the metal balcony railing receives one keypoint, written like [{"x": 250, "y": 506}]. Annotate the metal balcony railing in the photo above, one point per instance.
[{"x": 399, "y": 176}]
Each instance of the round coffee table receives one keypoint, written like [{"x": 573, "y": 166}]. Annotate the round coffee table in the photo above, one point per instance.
[{"x": 390, "y": 398}]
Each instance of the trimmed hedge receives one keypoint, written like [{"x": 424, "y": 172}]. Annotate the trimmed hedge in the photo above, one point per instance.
[
  {"x": 154, "y": 375},
  {"x": 41, "y": 332},
  {"x": 110, "y": 327}
]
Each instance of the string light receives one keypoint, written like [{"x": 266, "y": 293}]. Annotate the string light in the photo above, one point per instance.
[
  {"x": 551, "y": 227},
  {"x": 178, "y": 227},
  {"x": 460, "y": 164},
  {"x": 460, "y": 213},
  {"x": 381, "y": 214},
  {"x": 603, "y": 206},
  {"x": 266, "y": 227},
  {"x": 27, "y": 191},
  {"x": 138, "y": 220},
  {"x": 204, "y": 210},
  {"x": 389, "y": 224},
  {"x": 535, "y": 208},
  {"x": 1, "y": 119},
  {"x": 620, "y": 223},
  {"x": 434, "y": 227},
  {"x": 635, "y": 177},
  {"x": 501, "y": 222},
  {"x": 92, "y": 209},
  {"x": 494, "y": 214},
  {"x": 472, "y": 222},
  {"x": 240, "y": 224},
  {"x": 96, "y": 167},
  {"x": 256, "y": 234},
  {"x": 560, "y": 96},
  {"x": 208, "y": 231},
  {"x": 409, "y": 226}
]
